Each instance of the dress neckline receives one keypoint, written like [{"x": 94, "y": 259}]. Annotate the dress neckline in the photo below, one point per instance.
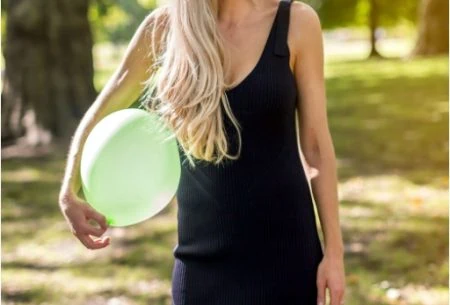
[{"x": 263, "y": 52}]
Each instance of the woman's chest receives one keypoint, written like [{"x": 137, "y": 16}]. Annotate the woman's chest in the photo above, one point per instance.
[{"x": 269, "y": 92}]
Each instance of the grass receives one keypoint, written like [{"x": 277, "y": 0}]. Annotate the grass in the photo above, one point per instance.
[
  {"x": 395, "y": 113},
  {"x": 389, "y": 122}
]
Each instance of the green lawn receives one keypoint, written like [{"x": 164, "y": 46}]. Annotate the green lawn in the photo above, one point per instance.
[{"x": 389, "y": 122}]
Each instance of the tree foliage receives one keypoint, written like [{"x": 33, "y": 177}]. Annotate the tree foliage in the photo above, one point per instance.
[
  {"x": 341, "y": 13},
  {"x": 116, "y": 20}
]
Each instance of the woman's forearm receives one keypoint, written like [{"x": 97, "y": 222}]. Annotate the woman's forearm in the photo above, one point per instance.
[
  {"x": 121, "y": 91},
  {"x": 324, "y": 188},
  {"x": 72, "y": 180}
]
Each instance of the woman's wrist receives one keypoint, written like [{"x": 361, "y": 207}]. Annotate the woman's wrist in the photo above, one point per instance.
[{"x": 334, "y": 251}]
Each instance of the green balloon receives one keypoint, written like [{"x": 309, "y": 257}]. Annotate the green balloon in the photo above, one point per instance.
[{"x": 130, "y": 166}]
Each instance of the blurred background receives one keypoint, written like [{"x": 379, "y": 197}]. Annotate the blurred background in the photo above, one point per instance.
[{"x": 387, "y": 88}]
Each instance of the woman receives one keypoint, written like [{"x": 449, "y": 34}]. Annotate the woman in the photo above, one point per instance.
[{"x": 231, "y": 74}]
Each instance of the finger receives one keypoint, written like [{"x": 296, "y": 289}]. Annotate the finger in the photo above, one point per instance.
[
  {"x": 336, "y": 296},
  {"x": 321, "y": 291},
  {"x": 91, "y": 230},
  {"x": 96, "y": 243},
  {"x": 89, "y": 243},
  {"x": 99, "y": 218}
]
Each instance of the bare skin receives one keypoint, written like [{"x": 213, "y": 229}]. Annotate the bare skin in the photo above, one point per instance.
[
  {"x": 121, "y": 90},
  {"x": 238, "y": 20},
  {"x": 317, "y": 145}
]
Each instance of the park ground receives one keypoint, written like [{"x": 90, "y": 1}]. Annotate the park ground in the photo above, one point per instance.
[{"x": 389, "y": 123}]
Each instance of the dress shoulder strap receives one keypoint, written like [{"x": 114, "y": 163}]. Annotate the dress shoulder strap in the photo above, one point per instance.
[{"x": 282, "y": 27}]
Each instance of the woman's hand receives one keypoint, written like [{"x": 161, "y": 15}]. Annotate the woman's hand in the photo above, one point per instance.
[
  {"x": 331, "y": 274},
  {"x": 78, "y": 213}
]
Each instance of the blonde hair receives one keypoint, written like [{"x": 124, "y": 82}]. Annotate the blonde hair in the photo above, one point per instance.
[{"x": 188, "y": 87}]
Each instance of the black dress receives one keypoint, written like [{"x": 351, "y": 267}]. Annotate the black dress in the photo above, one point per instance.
[{"x": 247, "y": 232}]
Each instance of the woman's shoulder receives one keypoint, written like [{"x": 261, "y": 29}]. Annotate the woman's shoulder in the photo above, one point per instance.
[
  {"x": 300, "y": 9},
  {"x": 158, "y": 16},
  {"x": 154, "y": 27},
  {"x": 306, "y": 22},
  {"x": 303, "y": 15},
  {"x": 157, "y": 20}
]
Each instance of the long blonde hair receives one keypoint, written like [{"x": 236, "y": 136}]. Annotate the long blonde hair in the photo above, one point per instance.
[{"x": 188, "y": 87}]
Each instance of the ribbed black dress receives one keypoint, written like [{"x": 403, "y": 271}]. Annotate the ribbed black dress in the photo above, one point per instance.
[{"x": 247, "y": 232}]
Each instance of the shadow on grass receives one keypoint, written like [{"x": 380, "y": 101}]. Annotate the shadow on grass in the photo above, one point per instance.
[
  {"x": 385, "y": 117},
  {"x": 390, "y": 116},
  {"x": 400, "y": 248}
]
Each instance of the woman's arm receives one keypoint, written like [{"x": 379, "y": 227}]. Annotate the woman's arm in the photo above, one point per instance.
[
  {"x": 121, "y": 90},
  {"x": 316, "y": 143},
  {"x": 315, "y": 137}
]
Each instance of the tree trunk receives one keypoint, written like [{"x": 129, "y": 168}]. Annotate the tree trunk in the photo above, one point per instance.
[
  {"x": 433, "y": 28},
  {"x": 373, "y": 25},
  {"x": 48, "y": 77}
]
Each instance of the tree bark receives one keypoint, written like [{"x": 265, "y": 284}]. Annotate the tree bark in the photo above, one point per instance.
[
  {"x": 433, "y": 28},
  {"x": 48, "y": 77},
  {"x": 373, "y": 25}
]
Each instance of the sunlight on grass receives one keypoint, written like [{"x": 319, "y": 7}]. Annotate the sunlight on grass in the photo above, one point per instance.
[
  {"x": 359, "y": 49},
  {"x": 389, "y": 122},
  {"x": 395, "y": 113},
  {"x": 396, "y": 239},
  {"x": 400, "y": 195},
  {"x": 83, "y": 290}
]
